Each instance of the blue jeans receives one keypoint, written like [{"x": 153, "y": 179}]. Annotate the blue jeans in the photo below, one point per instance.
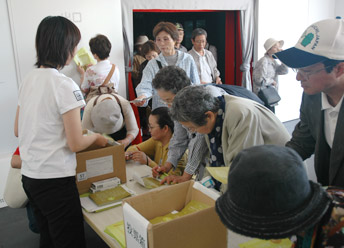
[{"x": 32, "y": 221}]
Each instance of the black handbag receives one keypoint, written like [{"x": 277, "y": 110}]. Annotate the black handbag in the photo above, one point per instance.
[{"x": 269, "y": 95}]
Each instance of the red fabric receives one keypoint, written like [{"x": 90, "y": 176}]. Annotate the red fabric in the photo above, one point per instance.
[
  {"x": 174, "y": 10},
  {"x": 233, "y": 50},
  {"x": 238, "y": 48},
  {"x": 230, "y": 48},
  {"x": 16, "y": 152},
  {"x": 132, "y": 96}
]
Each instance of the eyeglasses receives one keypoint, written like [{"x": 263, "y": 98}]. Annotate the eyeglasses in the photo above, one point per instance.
[
  {"x": 191, "y": 129},
  {"x": 168, "y": 102},
  {"x": 200, "y": 41},
  {"x": 307, "y": 74}
]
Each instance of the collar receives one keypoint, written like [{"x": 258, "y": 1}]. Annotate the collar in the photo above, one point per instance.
[
  {"x": 325, "y": 105},
  {"x": 105, "y": 61},
  {"x": 198, "y": 53},
  {"x": 162, "y": 59}
]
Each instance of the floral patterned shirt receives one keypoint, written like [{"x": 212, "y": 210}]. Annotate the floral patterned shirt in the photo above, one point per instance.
[
  {"x": 96, "y": 74},
  {"x": 266, "y": 72}
]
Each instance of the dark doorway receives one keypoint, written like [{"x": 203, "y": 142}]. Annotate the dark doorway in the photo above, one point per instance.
[{"x": 214, "y": 22}]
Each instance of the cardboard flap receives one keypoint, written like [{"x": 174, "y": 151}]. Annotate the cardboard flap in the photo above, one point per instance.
[
  {"x": 168, "y": 199},
  {"x": 204, "y": 223},
  {"x": 95, "y": 147},
  {"x": 136, "y": 235},
  {"x": 212, "y": 194}
]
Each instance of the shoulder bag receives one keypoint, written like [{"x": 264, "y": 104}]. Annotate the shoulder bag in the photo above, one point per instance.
[{"x": 269, "y": 95}]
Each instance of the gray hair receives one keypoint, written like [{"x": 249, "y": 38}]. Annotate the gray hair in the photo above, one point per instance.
[
  {"x": 197, "y": 32},
  {"x": 191, "y": 104}
]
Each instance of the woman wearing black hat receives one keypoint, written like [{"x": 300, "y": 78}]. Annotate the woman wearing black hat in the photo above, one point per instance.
[{"x": 270, "y": 197}]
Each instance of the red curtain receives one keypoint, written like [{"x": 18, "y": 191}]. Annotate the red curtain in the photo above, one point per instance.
[
  {"x": 132, "y": 96},
  {"x": 233, "y": 50}
]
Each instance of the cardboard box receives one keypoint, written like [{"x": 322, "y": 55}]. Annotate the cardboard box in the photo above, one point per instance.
[
  {"x": 99, "y": 163},
  {"x": 199, "y": 229}
]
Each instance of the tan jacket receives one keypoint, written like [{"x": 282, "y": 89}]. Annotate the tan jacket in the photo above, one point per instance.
[{"x": 248, "y": 124}]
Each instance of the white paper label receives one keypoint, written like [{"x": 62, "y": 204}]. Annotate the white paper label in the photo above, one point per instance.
[
  {"x": 82, "y": 176},
  {"x": 135, "y": 228},
  {"x": 99, "y": 166}
]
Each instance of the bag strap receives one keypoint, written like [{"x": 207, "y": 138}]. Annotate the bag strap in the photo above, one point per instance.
[
  {"x": 159, "y": 64},
  {"x": 119, "y": 103},
  {"x": 107, "y": 79},
  {"x": 96, "y": 100}
]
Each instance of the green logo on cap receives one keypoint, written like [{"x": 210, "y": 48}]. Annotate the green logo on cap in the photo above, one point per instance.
[{"x": 307, "y": 40}]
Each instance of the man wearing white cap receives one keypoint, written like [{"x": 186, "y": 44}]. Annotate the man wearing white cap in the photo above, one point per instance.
[
  {"x": 319, "y": 59},
  {"x": 267, "y": 69}
]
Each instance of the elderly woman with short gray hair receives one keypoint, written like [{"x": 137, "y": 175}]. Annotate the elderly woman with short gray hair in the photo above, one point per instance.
[
  {"x": 204, "y": 59},
  {"x": 230, "y": 124}
]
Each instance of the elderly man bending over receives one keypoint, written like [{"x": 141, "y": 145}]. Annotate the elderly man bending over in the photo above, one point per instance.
[{"x": 230, "y": 124}]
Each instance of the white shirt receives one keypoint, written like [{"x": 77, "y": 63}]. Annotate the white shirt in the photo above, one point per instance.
[
  {"x": 330, "y": 117},
  {"x": 96, "y": 74},
  {"x": 205, "y": 68},
  {"x": 44, "y": 96}
]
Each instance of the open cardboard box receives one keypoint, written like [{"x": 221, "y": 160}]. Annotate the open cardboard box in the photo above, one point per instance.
[
  {"x": 98, "y": 163},
  {"x": 199, "y": 229}
]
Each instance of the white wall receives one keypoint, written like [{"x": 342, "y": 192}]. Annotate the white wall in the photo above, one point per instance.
[
  {"x": 8, "y": 98},
  {"x": 286, "y": 20},
  {"x": 91, "y": 17},
  {"x": 18, "y": 24},
  {"x": 339, "y": 8},
  {"x": 8, "y": 84}
]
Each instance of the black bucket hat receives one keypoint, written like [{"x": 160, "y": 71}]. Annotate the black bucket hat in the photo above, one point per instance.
[{"x": 269, "y": 195}]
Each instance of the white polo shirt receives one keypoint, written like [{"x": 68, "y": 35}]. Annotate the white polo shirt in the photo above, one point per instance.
[
  {"x": 330, "y": 117},
  {"x": 44, "y": 96}
]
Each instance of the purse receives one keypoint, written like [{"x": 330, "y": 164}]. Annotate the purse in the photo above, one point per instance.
[
  {"x": 269, "y": 95},
  {"x": 14, "y": 194}
]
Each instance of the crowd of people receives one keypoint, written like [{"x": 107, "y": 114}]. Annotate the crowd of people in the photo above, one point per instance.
[{"x": 195, "y": 122}]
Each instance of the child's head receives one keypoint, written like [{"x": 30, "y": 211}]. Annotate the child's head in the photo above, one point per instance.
[
  {"x": 56, "y": 40},
  {"x": 101, "y": 46},
  {"x": 150, "y": 50}
]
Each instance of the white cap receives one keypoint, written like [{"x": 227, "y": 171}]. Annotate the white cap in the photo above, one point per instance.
[
  {"x": 107, "y": 117},
  {"x": 321, "y": 41},
  {"x": 141, "y": 40}
]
